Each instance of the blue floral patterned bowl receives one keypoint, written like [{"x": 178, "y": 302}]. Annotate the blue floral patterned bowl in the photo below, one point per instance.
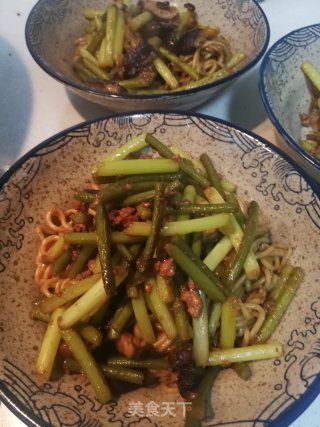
[
  {"x": 284, "y": 89},
  {"x": 53, "y": 26},
  {"x": 47, "y": 176}
]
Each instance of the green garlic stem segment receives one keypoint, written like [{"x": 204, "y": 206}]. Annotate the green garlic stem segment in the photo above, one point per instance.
[
  {"x": 209, "y": 78},
  {"x": 282, "y": 280},
  {"x": 161, "y": 310},
  {"x": 185, "y": 165},
  {"x": 119, "y": 321},
  {"x": 142, "y": 317},
  {"x": 165, "y": 72},
  {"x": 212, "y": 174},
  {"x": 197, "y": 412},
  {"x": 84, "y": 255},
  {"x": 201, "y": 209},
  {"x": 312, "y": 73},
  {"x": 201, "y": 334},
  {"x": 91, "y": 13},
  {"x": 138, "y": 198},
  {"x": 137, "y": 166},
  {"x": 194, "y": 225},
  {"x": 196, "y": 270},
  {"x": 172, "y": 228},
  {"x": 243, "y": 370},
  {"x": 235, "y": 234},
  {"x": 134, "y": 144},
  {"x": 188, "y": 196},
  {"x": 91, "y": 335},
  {"x": 140, "y": 20},
  {"x": 86, "y": 54},
  {"x": 150, "y": 363},
  {"x": 214, "y": 319},
  {"x": 218, "y": 253},
  {"x": 106, "y": 51},
  {"x": 97, "y": 71},
  {"x": 37, "y": 314},
  {"x": 165, "y": 289},
  {"x": 88, "y": 364},
  {"x": 61, "y": 262},
  {"x": 235, "y": 60},
  {"x": 72, "y": 292},
  {"x": 119, "y": 190},
  {"x": 118, "y": 40},
  {"x": 284, "y": 299},
  {"x": 228, "y": 323},
  {"x": 188, "y": 69},
  {"x": 123, "y": 374},
  {"x": 156, "y": 225},
  {"x": 49, "y": 346},
  {"x": 227, "y": 356},
  {"x": 90, "y": 238},
  {"x": 56, "y": 249},
  {"x": 104, "y": 249},
  {"x": 244, "y": 248},
  {"x": 88, "y": 303}
]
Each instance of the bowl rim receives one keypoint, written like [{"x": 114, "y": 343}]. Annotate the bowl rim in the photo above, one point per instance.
[
  {"x": 298, "y": 406},
  {"x": 266, "y": 100},
  {"x": 161, "y": 96}
]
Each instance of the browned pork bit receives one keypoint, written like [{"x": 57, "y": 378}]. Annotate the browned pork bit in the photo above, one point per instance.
[{"x": 193, "y": 301}]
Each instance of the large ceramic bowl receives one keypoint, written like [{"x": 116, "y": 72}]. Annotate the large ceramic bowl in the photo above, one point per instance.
[
  {"x": 53, "y": 26},
  {"x": 278, "y": 391},
  {"x": 284, "y": 89}
]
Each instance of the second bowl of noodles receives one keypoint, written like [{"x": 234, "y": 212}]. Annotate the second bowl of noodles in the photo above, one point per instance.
[{"x": 139, "y": 55}]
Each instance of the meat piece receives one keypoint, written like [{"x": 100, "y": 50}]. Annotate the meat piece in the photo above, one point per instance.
[
  {"x": 193, "y": 301},
  {"x": 123, "y": 216},
  {"x": 126, "y": 346},
  {"x": 165, "y": 268},
  {"x": 304, "y": 119}
]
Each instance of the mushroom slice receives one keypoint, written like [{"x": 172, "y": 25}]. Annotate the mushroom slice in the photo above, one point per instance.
[{"x": 160, "y": 9}]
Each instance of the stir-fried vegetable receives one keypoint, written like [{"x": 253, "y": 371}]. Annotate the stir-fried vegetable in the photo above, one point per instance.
[
  {"x": 311, "y": 120},
  {"x": 159, "y": 270},
  {"x": 151, "y": 47}
]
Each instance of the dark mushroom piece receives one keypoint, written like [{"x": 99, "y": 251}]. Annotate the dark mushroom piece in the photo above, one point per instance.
[
  {"x": 190, "y": 41},
  {"x": 135, "y": 60},
  {"x": 160, "y": 9}
]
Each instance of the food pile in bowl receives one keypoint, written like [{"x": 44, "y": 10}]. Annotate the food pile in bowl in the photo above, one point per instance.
[
  {"x": 146, "y": 54},
  {"x": 289, "y": 89},
  {"x": 161, "y": 270},
  {"x": 152, "y": 47},
  {"x": 310, "y": 120}
]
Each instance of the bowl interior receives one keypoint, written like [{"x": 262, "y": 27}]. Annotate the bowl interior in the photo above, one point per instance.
[
  {"x": 284, "y": 87},
  {"x": 53, "y": 27},
  {"x": 48, "y": 176}
]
